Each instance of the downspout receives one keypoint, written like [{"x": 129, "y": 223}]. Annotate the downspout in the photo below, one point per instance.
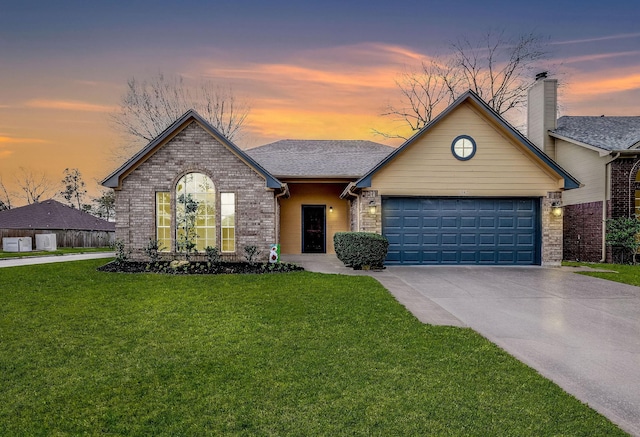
[
  {"x": 284, "y": 192},
  {"x": 607, "y": 187}
]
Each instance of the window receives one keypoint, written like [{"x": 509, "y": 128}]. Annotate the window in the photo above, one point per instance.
[
  {"x": 463, "y": 147},
  {"x": 228, "y": 221},
  {"x": 637, "y": 195},
  {"x": 195, "y": 213},
  {"x": 163, "y": 221}
]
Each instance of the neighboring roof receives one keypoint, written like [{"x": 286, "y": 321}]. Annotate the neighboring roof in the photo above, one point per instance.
[
  {"x": 569, "y": 181},
  {"x": 608, "y": 133},
  {"x": 52, "y": 214},
  {"x": 113, "y": 180},
  {"x": 320, "y": 158}
]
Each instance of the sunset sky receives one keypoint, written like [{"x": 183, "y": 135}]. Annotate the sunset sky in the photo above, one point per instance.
[{"x": 318, "y": 70}]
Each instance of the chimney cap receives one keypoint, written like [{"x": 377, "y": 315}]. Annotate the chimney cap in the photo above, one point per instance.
[{"x": 542, "y": 75}]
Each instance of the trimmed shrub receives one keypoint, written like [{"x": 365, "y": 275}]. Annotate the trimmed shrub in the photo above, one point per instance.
[{"x": 361, "y": 249}]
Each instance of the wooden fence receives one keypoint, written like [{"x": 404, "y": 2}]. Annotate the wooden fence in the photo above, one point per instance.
[{"x": 65, "y": 238}]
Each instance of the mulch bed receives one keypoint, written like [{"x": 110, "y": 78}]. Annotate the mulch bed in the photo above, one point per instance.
[{"x": 197, "y": 267}]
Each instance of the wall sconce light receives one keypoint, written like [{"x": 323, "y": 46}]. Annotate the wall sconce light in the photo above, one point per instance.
[
  {"x": 556, "y": 208},
  {"x": 372, "y": 207},
  {"x": 330, "y": 209}
]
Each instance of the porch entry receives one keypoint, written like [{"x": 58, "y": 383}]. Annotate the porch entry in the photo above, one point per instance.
[{"x": 314, "y": 229}]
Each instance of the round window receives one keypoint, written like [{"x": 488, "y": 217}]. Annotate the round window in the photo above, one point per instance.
[{"x": 463, "y": 147}]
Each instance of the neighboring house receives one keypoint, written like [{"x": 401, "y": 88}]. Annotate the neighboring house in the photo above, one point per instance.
[
  {"x": 73, "y": 228},
  {"x": 603, "y": 153},
  {"x": 466, "y": 189}
]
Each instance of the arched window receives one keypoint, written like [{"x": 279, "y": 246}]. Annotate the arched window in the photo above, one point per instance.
[
  {"x": 195, "y": 213},
  {"x": 637, "y": 195}
]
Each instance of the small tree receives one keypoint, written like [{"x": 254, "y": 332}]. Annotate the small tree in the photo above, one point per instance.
[
  {"x": 186, "y": 219},
  {"x": 105, "y": 205},
  {"x": 622, "y": 234},
  {"x": 74, "y": 188}
]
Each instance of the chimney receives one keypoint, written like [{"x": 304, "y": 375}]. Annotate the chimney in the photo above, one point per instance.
[{"x": 542, "y": 113}]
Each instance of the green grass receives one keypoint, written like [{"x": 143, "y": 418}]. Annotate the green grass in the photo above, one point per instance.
[
  {"x": 627, "y": 274},
  {"x": 84, "y": 352},
  {"x": 60, "y": 251}
]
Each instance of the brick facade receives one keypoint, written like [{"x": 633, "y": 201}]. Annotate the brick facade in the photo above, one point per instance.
[
  {"x": 623, "y": 187},
  {"x": 583, "y": 232},
  {"x": 584, "y": 222},
  {"x": 194, "y": 150}
]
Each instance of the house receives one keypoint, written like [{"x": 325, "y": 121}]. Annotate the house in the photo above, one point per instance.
[
  {"x": 466, "y": 189},
  {"x": 316, "y": 173},
  {"x": 73, "y": 228},
  {"x": 600, "y": 151}
]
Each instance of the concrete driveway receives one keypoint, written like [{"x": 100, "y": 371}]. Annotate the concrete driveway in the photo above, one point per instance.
[{"x": 583, "y": 333}]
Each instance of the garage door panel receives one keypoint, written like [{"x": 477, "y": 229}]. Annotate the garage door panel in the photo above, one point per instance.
[
  {"x": 468, "y": 222},
  {"x": 449, "y": 222},
  {"x": 468, "y": 240},
  {"x": 411, "y": 239},
  {"x": 462, "y": 230},
  {"x": 429, "y": 239}
]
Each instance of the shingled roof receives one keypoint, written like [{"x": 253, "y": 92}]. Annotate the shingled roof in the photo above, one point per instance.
[
  {"x": 52, "y": 214},
  {"x": 319, "y": 158},
  {"x": 608, "y": 133}
]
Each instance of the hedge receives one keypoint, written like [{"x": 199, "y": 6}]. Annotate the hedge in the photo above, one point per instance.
[{"x": 361, "y": 249}]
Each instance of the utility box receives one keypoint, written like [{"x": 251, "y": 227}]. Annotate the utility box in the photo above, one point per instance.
[
  {"x": 46, "y": 242},
  {"x": 16, "y": 244}
]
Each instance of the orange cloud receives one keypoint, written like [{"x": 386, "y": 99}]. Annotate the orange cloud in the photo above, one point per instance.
[
  {"x": 12, "y": 140},
  {"x": 603, "y": 85},
  {"x": 68, "y": 105}
]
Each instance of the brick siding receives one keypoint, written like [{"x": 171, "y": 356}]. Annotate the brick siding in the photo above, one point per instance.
[
  {"x": 195, "y": 150},
  {"x": 583, "y": 232}
]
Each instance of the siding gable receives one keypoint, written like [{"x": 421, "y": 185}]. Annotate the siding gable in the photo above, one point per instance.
[{"x": 502, "y": 166}]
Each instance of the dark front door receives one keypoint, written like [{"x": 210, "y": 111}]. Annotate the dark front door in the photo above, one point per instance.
[{"x": 313, "y": 229}]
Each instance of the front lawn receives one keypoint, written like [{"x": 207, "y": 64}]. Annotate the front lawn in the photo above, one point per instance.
[
  {"x": 87, "y": 352},
  {"x": 625, "y": 273}
]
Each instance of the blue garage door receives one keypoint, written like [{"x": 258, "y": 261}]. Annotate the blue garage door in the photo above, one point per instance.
[{"x": 427, "y": 230}]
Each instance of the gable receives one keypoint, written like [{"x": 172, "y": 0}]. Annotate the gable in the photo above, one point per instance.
[
  {"x": 114, "y": 180},
  {"x": 501, "y": 166}
]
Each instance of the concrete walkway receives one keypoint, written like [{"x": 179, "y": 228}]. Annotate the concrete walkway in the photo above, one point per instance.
[
  {"x": 583, "y": 333},
  {"x": 32, "y": 260}
]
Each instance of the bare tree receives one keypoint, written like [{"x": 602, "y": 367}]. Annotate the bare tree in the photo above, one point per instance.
[
  {"x": 149, "y": 107},
  {"x": 424, "y": 93},
  {"x": 5, "y": 197},
  {"x": 499, "y": 68},
  {"x": 74, "y": 188},
  {"x": 35, "y": 187}
]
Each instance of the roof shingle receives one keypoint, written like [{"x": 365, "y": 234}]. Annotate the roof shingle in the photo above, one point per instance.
[
  {"x": 608, "y": 133},
  {"x": 52, "y": 214},
  {"x": 320, "y": 158}
]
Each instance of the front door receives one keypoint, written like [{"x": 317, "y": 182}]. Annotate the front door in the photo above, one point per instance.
[{"x": 313, "y": 229}]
